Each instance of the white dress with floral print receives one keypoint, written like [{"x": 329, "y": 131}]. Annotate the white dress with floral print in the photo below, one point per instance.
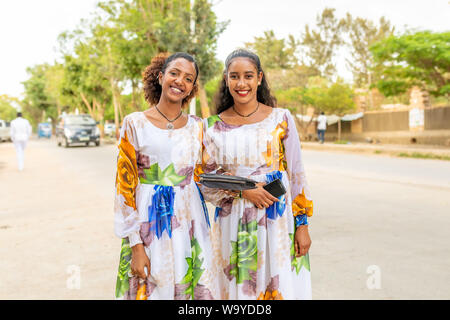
[
  {"x": 158, "y": 203},
  {"x": 256, "y": 246}
]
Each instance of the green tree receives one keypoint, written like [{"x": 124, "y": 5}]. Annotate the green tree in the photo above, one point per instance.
[
  {"x": 92, "y": 69},
  {"x": 108, "y": 52},
  {"x": 287, "y": 78},
  {"x": 280, "y": 63},
  {"x": 7, "y": 111},
  {"x": 332, "y": 98},
  {"x": 203, "y": 46},
  {"x": 153, "y": 26},
  {"x": 54, "y": 82},
  {"x": 84, "y": 84},
  {"x": 320, "y": 45},
  {"x": 274, "y": 53},
  {"x": 137, "y": 23},
  {"x": 421, "y": 58},
  {"x": 363, "y": 33},
  {"x": 284, "y": 79},
  {"x": 36, "y": 94},
  {"x": 293, "y": 99},
  {"x": 211, "y": 88}
]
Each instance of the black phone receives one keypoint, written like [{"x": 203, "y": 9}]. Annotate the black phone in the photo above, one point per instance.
[{"x": 275, "y": 188}]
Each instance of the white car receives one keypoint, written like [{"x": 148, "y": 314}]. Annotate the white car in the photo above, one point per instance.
[
  {"x": 110, "y": 129},
  {"x": 5, "y": 131}
]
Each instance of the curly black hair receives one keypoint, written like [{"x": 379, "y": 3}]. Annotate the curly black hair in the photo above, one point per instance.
[
  {"x": 150, "y": 76},
  {"x": 224, "y": 99}
]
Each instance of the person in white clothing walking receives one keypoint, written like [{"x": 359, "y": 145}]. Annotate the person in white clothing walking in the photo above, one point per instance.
[
  {"x": 321, "y": 127},
  {"x": 20, "y": 133}
]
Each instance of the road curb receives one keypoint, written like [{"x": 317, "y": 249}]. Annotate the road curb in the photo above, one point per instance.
[{"x": 393, "y": 150}]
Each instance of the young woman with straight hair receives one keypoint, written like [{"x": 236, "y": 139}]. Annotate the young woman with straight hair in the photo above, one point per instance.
[{"x": 263, "y": 240}]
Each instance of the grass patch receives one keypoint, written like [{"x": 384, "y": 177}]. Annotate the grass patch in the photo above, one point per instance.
[
  {"x": 378, "y": 151},
  {"x": 419, "y": 155},
  {"x": 341, "y": 142}
]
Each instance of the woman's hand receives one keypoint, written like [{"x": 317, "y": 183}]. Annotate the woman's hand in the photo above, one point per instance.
[
  {"x": 302, "y": 241},
  {"x": 259, "y": 196},
  {"x": 139, "y": 261},
  {"x": 231, "y": 193}
]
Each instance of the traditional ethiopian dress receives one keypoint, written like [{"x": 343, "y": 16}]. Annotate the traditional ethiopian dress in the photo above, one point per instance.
[
  {"x": 158, "y": 203},
  {"x": 257, "y": 258}
]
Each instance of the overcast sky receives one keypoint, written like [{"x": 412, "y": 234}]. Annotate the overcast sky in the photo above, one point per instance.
[{"x": 29, "y": 28}]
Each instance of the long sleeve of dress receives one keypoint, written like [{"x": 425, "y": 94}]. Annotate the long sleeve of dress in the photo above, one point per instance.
[
  {"x": 126, "y": 217},
  {"x": 302, "y": 204}
]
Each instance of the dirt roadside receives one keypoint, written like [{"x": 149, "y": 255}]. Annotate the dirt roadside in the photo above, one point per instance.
[
  {"x": 50, "y": 237},
  {"x": 55, "y": 222},
  {"x": 378, "y": 149}
]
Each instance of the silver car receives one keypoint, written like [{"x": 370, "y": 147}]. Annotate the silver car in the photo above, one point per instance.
[
  {"x": 5, "y": 131},
  {"x": 76, "y": 129},
  {"x": 110, "y": 129}
]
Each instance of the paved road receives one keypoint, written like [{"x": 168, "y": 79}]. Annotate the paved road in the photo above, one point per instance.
[
  {"x": 391, "y": 213},
  {"x": 380, "y": 228}
]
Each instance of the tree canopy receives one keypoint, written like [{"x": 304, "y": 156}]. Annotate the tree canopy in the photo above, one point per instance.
[
  {"x": 104, "y": 57},
  {"x": 7, "y": 110},
  {"x": 421, "y": 58},
  {"x": 274, "y": 53},
  {"x": 100, "y": 68}
]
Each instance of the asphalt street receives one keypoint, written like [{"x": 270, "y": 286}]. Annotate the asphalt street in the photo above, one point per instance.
[{"x": 380, "y": 228}]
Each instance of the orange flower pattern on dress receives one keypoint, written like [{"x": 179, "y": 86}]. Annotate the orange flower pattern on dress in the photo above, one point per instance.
[
  {"x": 301, "y": 205},
  {"x": 272, "y": 291},
  {"x": 271, "y": 295},
  {"x": 199, "y": 167},
  {"x": 127, "y": 173},
  {"x": 143, "y": 171},
  {"x": 277, "y": 158},
  {"x": 255, "y": 151}
]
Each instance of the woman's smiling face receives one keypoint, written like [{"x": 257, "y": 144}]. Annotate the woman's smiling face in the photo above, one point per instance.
[
  {"x": 177, "y": 82},
  {"x": 242, "y": 79}
]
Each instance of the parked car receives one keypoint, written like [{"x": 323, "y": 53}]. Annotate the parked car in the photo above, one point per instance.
[
  {"x": 110, "y": 129},
  {"x": 5, "y": 131},
  {"x": 44, "y": 130},
  {"x": 76, "y": 129}
]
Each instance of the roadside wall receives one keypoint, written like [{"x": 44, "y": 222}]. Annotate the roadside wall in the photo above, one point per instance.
[
  {"x": 395, "y": 127},
  {"x": 385, "y": 121},
  {"x": 437, "y": 118}
]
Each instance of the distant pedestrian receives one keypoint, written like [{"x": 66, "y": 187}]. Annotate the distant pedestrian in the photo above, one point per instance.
[
  {"x": 20, "y": 133},
  {"x": 321, "y": 127}
]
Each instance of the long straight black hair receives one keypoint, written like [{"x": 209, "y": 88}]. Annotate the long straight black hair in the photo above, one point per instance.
[{"x": 224, "y": 99}]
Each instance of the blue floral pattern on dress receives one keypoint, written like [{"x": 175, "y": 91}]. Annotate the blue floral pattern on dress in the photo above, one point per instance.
[
  {"x": 301, "y": 220},
  {"x": 160, "y": 212},
  {"x": 277, "y": 208},
  {"x": 217, "y": 213},
  {"x": 205, "y": 208}
]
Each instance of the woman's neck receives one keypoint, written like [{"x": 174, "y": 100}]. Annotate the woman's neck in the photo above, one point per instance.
[
  {"x": 245, "y": 108},
  {"x": 170, "y": 109}
]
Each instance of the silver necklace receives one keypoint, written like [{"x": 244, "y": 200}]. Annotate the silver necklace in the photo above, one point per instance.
[
  {"x": 257, "y": 107},
  {"x": 170, "y": 124}
]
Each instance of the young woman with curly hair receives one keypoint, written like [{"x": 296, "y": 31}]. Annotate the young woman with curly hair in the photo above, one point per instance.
[
  {"x": 263, "y": 240},
  {"x": 159, "y": 211}
]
